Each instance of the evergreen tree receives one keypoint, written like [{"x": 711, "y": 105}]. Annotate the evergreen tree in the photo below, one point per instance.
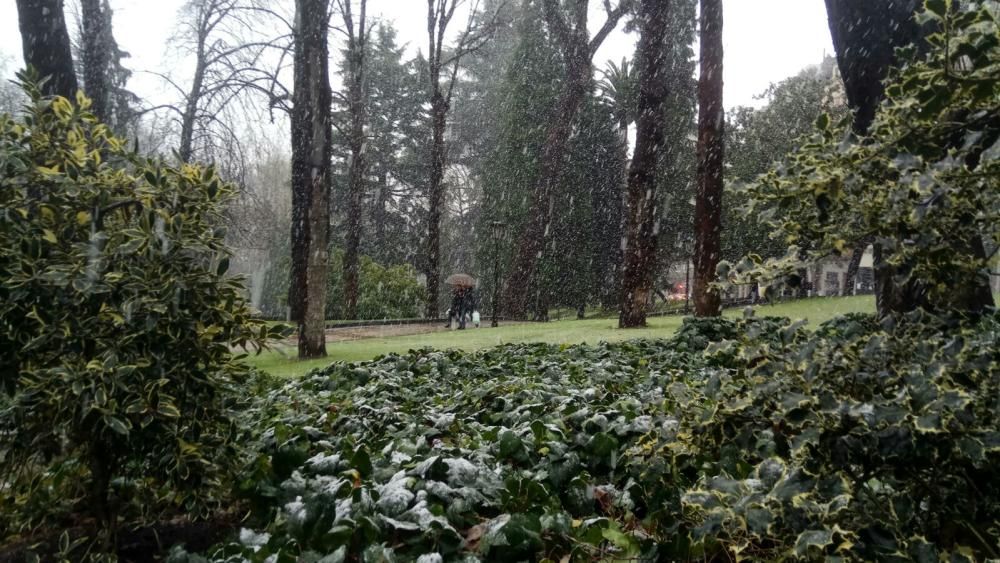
[
  {"x": 757, "y": 138},
  {"x": 676, "y": 183},
  {"x": 509, "y": 173},
  {"x": 588, "y": 228},
  {"x": 396, "y": 159},
  {"x": 638, "y": 268},
  {"x": 104, "y": 75},
  {"x": 567, "y": 24}
]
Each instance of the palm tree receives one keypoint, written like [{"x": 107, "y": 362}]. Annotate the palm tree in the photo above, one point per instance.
[{"x": 619, "y": 90}]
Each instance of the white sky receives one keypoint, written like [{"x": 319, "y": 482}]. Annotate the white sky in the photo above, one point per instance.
[{"x": 765, "y": 40}]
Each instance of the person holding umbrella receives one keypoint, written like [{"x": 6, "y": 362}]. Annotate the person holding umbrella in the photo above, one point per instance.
[
  {"x": 463, "y": 300},
  {"x": 468, "y": 310}
]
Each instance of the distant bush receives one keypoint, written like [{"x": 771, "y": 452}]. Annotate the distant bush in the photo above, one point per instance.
[
  {"x": 116, "y": 326},
  {"x": 384, "y": 292}
]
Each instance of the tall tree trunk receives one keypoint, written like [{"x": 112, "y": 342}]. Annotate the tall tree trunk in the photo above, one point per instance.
[
  {"x": 853, "y": 266},
  {"x": 609, "y": 254},
  {"x": 439, "y": 112},
  {"x": 96, "y": 58},
  {"x": 708, "y": 201},
  {"x": 641, "y": 236},
  {"x": 439, "y": 14},
  {"x": 357, "y": 167},
  {"x": 865, "y": 37},
  {"x": 538, "y": 231},
  {"x": 46, "y": 46},
  {"x": 578, "y": 50},
  {"x": 379, "y": 215},
  {"x": 190, "y": 115},
  {"x": 311, "y": 151}
]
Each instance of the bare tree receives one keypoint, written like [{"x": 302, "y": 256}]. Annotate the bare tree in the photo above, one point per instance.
[
  {"x": 231, "y": 65},
  {"x": 357, "y": 44},
  {"x": 708, "y": 201},
  {"x": 578, "y": 50},
  {"x": 641, "y": 235},
  {"x": 311, "y": 152},
  {"x": 11, "y": 97},
  {"x": 443, "y": 67},
  {"x": 46, "y": 46}
]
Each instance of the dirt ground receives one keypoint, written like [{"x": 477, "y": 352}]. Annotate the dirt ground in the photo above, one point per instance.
[{"x": 384, "y": 331}]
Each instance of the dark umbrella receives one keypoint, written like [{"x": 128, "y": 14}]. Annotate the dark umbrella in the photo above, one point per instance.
[{"x": 461, "y": 280}]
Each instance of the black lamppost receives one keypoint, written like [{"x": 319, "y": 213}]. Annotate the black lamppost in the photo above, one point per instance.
[
  {"x": 496, "y": 231},
  {"x": 687, "y": 275}
]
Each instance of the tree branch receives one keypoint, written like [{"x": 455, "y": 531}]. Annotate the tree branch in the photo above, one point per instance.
[{"x": 610, "y": 24}]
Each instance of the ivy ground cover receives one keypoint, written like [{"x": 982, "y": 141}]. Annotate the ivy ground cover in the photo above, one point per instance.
[{"x": 750, "y": 439}]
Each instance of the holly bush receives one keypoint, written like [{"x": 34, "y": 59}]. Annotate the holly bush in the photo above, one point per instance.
[
  {"x": 865, "y": 441},
  {"x": 117, "y": 325},
  {"x": 922, "y": 184}
]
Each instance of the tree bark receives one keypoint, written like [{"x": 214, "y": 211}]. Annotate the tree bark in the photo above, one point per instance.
[
  {"x": 45, "y": 44},
  {"x": 193, "y": 98},
  {"x": 708, "y": 201},
  {"x": 439, "y": 112},
  {"x": 311, "y": 151},
  {"x": 96, "y": 58},
  {"x": 641, "y": 236},
  {"x": 865, "y": 37},
  {"x": 853, "y": 266},
  {"x": 356, "y": 46},
  {"x": 578, "y": 50},
  {"x": 95, "y": 16},
  {"x": 379, "y": 215}
]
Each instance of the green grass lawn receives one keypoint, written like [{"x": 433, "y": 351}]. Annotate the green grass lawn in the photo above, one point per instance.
[{"x": 282, "y": 362}]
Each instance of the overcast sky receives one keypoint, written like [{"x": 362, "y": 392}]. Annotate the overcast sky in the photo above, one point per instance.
[{"x": 765, "y": 40}]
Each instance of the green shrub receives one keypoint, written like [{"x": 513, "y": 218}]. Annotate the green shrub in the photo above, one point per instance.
[
  {"x": 116, "y": 326},
  {"x": 274, "y": 295},
  {"x": 384, "y": 292},
  {"x": 716, "y": 334},
  {"x": 861, "y": 440}
]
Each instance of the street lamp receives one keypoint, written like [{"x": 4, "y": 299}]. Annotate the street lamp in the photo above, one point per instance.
[
  {"x": 496, "y": 231},
  {"x": 687, "y": 275}
]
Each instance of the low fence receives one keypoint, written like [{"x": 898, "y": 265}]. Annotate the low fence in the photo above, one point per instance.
[{"x": 681, "y": 309}]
